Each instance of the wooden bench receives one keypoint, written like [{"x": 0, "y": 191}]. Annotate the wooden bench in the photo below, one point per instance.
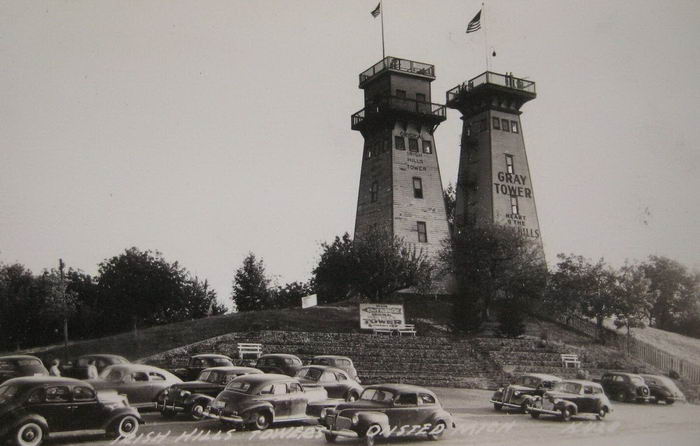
[
  {"x": 249, "y": 350},
  {"x": 572, "y": 359},
  {"x": 402, "y": 330}
]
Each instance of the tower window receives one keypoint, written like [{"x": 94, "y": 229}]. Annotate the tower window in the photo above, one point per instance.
[
  {"x": 505, "y": 126},
  {"x": 483, "y": 126},
  {"x": 400, "y": 143},
  {"x": 496, "y": 123},
  {"x": 373, "y": 192},
  {"x": 514, "y": 208},
  {"x": 420, "y": 97},
  {"x": 400, "y": 93},
  {"x": 422, "y": 232},
  {"x": 413, "y": 144},
  {"x": 368, "y": 152},
  {"x": 427, "y": 146},
  {"x": 514, "y": 126},
  {"x": 468, "y": 130},
  {"x": 509, "y": 164},
  {"x": 417, "y": 187}
]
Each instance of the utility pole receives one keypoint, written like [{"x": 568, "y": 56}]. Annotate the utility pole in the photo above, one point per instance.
[{"x": 61, "y": 266}]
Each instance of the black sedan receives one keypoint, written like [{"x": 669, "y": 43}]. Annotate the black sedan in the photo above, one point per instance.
[
  {"x": 34, "y": 408},
  {"x": 20, "y": 365},
  {"x": 192, "y": 397},
  {"x": 337, "y": 382}
]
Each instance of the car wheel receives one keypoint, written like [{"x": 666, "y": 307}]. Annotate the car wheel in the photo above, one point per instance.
[
  {"x": 125, "y": 427},
  {"x": 330, "y": 438},
  {"x": 197, "y": 411},
  {"x": 351, "y": 396},
  {"x": 369, "y": 439},
  {"x": 669, "y": 401},
  {"x": 620, "y": 396},
  {"x": 535, "y": 415},
  {"x": 565, "y": 414},
  {"x": 29, "y": 434},
  {"x": 262, "y": 421},
  {"x": 601, "y": 413},
  {"x": 442, "y": 428},
  {"x": 497, "y": 406},
  {"x": 525, "y": 406}
]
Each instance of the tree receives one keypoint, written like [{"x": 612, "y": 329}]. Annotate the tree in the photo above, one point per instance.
[
  {"x": 373, "y": 266},
  {"x": 495, "y": 267},
  {"x": 250, "y": 286},
  {"x": 674, "y": 292},
  {"x": 333, "y": 274},
  {"x": 633, "y": 298},
  {"x": 20, "y": 297},
  {"x": 289, "y": 295},
  {"x": 450, "y": 197},
  {"x": 142, "y": 288}
]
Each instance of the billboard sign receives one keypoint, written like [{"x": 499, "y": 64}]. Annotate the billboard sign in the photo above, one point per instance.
[
  {"x": 309, "y": 301},
  {"x": 381, "y": 316}
]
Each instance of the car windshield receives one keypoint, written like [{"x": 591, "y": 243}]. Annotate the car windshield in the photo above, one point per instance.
[
  {"x": 219, "y": 362},
  {"x": 239, "y": 386},
  {"x": 637, "y": 381},
  {"x": 7, "y": 392},
  {"x": 377, "y": 395},
  {"x": 310, "y": 373},
  {"x": 31, "y": 366},
  {"x": 567, "y": 387}
]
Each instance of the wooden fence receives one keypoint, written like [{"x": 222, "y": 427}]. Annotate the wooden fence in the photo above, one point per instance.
[{"x": 639, "y": 349}]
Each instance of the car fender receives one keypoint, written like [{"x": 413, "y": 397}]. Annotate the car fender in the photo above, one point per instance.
[
  {"x": 251, "y": 410},
  {"x": 366, "y": 419},
  {"x": 497, "y": 395},
  {"x": 560, "y": 404},
  {"x": 23, "y": 418},
  {"x": 120, "y": 412},
  {"x": 439, "y": 416},
  {"x": 198, "y": 397}
]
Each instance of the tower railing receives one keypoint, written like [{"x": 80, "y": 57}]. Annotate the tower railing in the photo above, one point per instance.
[
  {"x": 395, "y": 103},
  {"x": 489, "y": 77},
  {"x": 396, "y": 64}
]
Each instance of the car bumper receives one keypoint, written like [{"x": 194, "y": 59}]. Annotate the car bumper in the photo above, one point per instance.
[
  {"x": 170, "y": 407},
  {"x": 339, "y": 432},
  {"x": 511, "y": 405},
  {"x": 227, "y": 418},
  {"x": 642, "y": 399}
]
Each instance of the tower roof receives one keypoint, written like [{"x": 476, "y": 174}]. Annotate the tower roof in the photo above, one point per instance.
[
  {"x": 478, "y": 90},
  {"x": 397, "y": 65}
]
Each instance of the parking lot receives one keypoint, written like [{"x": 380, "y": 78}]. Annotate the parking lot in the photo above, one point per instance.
[{"x": 477, "y": 424}]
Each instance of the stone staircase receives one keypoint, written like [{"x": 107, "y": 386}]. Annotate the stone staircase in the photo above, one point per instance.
[{"x": 423, "y": 360}]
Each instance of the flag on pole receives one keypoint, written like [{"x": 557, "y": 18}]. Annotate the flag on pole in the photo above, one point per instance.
[
  {"x": 475, "y": 24},
  {"x": 377, "y": 10}
]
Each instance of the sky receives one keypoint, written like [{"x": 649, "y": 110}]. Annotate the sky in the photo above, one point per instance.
[{"x": 209, "y": 129}]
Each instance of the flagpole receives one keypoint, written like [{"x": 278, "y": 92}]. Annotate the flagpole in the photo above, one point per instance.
[
  {"x": 486, "y": 40},
  {"x": 381, "y": 12}
]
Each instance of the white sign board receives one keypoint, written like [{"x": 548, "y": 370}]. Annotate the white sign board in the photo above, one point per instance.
[
  {"x": 381, "y": 316},
  {"x": 309, "y": 301}
]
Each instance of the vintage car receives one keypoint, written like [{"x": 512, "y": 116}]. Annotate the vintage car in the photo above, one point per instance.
[
  {"x": 197, "y": 363},
  {"x": 35, "y": 408},
  {"x": 280, "y": 363},
  {"x": 337, "y": 382},
  {"x": 341, "y": 362},
  {"x": 142, "y": 384},
  {"x": 193, "y": 396},
  {"x": 387, "y": 410},
  {"x": 520, "y": 393},
  {"x": 20, "y": 365},
  {"x": 258, "y": 401},
  {"x": 572, "y": 397},
  {"x": 662, "y": 388},
  {"x": 79, "y": 366},
  {"x": 628, "y": 387}
]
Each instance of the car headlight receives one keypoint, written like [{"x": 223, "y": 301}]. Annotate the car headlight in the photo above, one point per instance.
[
  {"x": 324, "y": 411},
  {"x": 166, "y": 392},
  {"x": 516, "y": 393},
  {"x": 355, "y": 419},
  {"x": 184, "y": 393}
]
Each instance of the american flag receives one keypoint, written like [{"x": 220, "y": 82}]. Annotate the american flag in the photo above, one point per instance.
[
  {"x": 377, "y": 10},
  {"x": 475, "y": 24}
]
